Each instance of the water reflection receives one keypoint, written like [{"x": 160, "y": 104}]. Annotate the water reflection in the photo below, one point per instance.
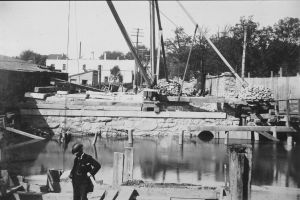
[{"x": 158, "y": 160}]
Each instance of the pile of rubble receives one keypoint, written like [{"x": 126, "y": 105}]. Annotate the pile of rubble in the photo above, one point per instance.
[{"x": 256, "y": 94}]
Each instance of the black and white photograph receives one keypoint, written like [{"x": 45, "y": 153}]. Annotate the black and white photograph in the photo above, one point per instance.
[{"x": 150, "y": 100}]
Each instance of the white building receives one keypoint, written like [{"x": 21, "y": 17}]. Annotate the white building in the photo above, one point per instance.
[{"x": 74, "y": 66}]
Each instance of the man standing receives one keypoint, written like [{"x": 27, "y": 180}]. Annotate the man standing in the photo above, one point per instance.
[{"x": 85, "y": 167}]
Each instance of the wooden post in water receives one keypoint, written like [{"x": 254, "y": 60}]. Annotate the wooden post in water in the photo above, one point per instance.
[
  {"x": 180, "y": 140},
  {"x": 95, "y": 138},
  {"x": 118, "y": 167},
  {"x": 287, "y": 113},
  {"x": 226, "y": 137},
  {"x": 274, "y": 130},
  {"x": 53, "y": 179},
  {"x": 299, "y": 107},
  {"x": 289, "y": 140},
  {"x": 128, "y": 164},
  {"x": 225, "y": 175},
  {"x": 130, "y": 137},
  {"x": 240, "y": 166}
]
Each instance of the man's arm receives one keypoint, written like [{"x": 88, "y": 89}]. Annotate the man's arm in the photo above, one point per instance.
[{"x": 95, "y": 165}]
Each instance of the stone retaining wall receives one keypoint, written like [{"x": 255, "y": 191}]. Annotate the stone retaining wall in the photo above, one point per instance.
[{"x": 111, "y": 127}]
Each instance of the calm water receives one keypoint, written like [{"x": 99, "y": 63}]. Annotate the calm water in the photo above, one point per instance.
[{"x": 158, "y": 160}]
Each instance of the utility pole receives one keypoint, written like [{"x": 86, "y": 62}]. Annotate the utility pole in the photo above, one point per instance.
[
  {"x": 244, "y": 51},
  {"x": 137, "y": 52}
]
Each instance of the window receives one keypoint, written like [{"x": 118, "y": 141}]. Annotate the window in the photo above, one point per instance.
[
  {"x": 83, "y": 82},
  {"x": 64, "y": 67}
]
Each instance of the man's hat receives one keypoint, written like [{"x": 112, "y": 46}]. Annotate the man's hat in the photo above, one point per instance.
[{"x": 76, "y": 148}]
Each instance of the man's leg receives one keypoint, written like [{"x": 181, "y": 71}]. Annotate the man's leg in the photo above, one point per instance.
[{"x": 76, "y": 192}]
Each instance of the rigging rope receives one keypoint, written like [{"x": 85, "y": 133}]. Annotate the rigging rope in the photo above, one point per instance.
[
  {"x": 243, "y": 82},
  {"x": 76, "y": 35},
  {"x": 65, "y": 119},
  {"x": 188, "y": 60}
]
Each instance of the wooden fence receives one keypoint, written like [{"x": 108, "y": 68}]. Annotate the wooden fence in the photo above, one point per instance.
[{"x": 283, "y": 87}]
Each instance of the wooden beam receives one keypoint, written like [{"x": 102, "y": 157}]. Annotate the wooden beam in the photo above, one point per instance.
[
  {"x": 243, "y": 128},
  {"x": 36, "y": 95},
  {"x": 118, "y": 167},
  {"x": 46, "y": 89},
  {"x": 267, "y": 135},
  {"x": 78, "y": 107},
  {"x": 21, "y": 144},
  {"x": 24, "y": 133},
  {"x": 101, "y": 113}
]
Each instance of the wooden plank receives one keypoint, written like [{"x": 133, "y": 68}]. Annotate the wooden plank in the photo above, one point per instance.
[
  {"x": 100, "y": 113},
  {"x": 21, "y": 144},
  {"x": 76, "y": 85},
  {"x": 243, "y": 128},
  {"x": 197, "y": 99},
  {"x": 36, "y": 95},
  {"x": 127, "y": 193},
  {"x": 23, "y": 133},
  {"x": 77, "y": 107},
  {"x": 128, "y": 164},
  {"x": 46, "y": 89},
  {"x": 111, "y": 195},
  {"x": 118, "y": 167},
  {"x": 267, "y": 135}
]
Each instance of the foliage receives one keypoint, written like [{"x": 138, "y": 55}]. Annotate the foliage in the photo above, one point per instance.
[
  {"x": 267, "y": 49},
  {"x": 29, "y": 55},
  {"x": 115, "y": 75}
]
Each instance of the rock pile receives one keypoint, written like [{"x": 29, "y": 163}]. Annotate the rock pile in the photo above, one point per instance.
[
  {"x": 172, "y": 88},
  {"x": 255, "y": 94}
]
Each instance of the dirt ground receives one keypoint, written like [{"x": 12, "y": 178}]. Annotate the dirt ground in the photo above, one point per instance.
[{"x": 157, "y": 191}]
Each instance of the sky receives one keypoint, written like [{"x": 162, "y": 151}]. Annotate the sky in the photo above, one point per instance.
[{"x": 42, "y": 26}]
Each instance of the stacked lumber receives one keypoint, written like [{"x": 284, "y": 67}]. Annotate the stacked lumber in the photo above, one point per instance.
[{"x": 255, "y": 94}]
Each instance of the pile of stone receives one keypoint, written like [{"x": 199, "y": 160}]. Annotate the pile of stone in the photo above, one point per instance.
[
  {"x": 255, "y": 94},
  {"x": 172, "y": 88}
]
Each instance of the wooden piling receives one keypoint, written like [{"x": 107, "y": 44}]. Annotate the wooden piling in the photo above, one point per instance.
[
  {"x": 128, "y": 164},
  {"x": 226, "y": 137},
  {"x": 298, "y": 107},
  {"x": 274, "y": 130},
  {"x": 287, "y": 113},
  {"x": 118, "y": 169},
  {"x": 225, "y": 175},
  {"x": 240, "y": 166},
  {"x": 130, "y": 137},
  {"x": 289, "y": 140},
  {"x": 4, "y": 182},
  {"x": 95, "y": 138},
  {"x": 181, "y": 135},
  {"x": 53, "y": 180}
]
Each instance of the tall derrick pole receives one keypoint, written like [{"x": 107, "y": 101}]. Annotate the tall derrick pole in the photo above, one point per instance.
[
  {"x": 128, "y": 41},
  {"x": 152, "y": 39}
]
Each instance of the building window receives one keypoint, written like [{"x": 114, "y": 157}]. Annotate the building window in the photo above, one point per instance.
[
  {"x": 83, "y": 82},
  {"x": 64, "y": 67}
]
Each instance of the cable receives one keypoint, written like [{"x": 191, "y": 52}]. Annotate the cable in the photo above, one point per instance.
[{"x": 187, "y": 62}]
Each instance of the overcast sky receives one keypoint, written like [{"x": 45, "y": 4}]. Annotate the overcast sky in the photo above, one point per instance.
[{"x": 43, "y": 26}]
